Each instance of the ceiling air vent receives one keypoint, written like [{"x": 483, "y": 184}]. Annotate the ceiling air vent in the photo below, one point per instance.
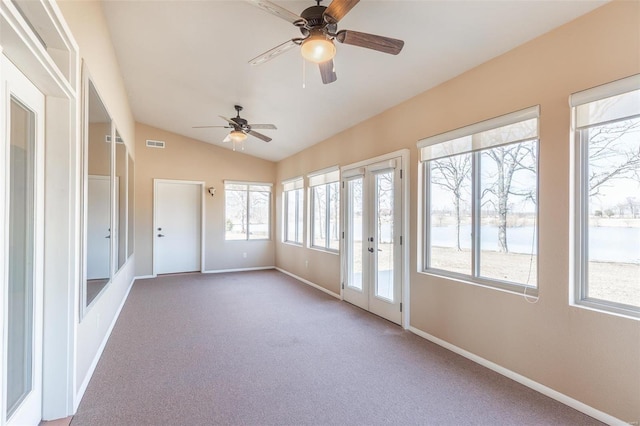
[
  {"x": 155, "y": 144},
  {"x": 107, "y": 138}
]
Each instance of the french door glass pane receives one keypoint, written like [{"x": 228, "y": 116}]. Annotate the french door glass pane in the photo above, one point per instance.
[
  {"x": 354, "y": 230},
  {"x": 21, "y": 258},
  {"x": 384, "y": 215},
  {"x": 334, "y": 215}
]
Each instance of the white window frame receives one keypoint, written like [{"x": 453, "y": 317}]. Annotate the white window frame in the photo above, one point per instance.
[
  {"x": 579, "y": 129},
  {"x": 248, "y": 186},
  {"x": 293, "y": 187},
  {"x": 456, "y": 142},
  {"x": 324, "y": 177}
]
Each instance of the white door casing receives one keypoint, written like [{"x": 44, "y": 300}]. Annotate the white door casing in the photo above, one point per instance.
[
  {"x": 22, "y": 314},
  {"x": 373, "y": 247},
  {"x": 178, "y": 226}
]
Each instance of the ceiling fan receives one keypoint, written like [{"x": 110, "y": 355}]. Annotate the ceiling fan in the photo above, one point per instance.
[
  {"x": 318, "y": 25},
  {"x": 241, "y": 128}
]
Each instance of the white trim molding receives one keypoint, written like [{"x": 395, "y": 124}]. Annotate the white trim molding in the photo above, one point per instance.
[
  {"x": 538, "y": 387},
  {"x": 103, "y": 344},
  {"x": 309, "y": 283}
]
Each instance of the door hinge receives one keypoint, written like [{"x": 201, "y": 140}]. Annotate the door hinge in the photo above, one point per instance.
[
  {"x": 343, "y": 286},
  {"x": 400, "y": 173},
  {"x": 400, "y": 239},
  {"x": 343, "y": 235},
  {"x": 400, "y": 306}
]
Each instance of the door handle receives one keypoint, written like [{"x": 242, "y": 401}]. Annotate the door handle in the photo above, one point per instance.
[
  {"x": 108, "y": 236},
  {"x": 370, "y": 250},
  {"x": 160, "y": 235}
]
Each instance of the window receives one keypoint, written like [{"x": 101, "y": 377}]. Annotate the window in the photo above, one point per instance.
[
  {"x": 607, "y": 136},
  {"x": 293, "y": 210},
  {"x": 480, "y": 202},
  {"x": 247, "y": 211},
  {"x": 324, "y": 188}
]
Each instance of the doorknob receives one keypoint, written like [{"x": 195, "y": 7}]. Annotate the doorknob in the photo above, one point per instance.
[{"x": 160, "y": 235}]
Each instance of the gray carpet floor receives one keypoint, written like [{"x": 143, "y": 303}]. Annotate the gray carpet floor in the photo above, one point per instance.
[{"x": 261, "y": 348}]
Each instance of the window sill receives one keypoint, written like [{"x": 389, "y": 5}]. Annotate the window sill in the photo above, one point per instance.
[
  {"x": 292, "y": 243},
  {"x": 518, "y": 290},
  {"x": 607, "y": 309},
  {"x": 325, "y": 250}
]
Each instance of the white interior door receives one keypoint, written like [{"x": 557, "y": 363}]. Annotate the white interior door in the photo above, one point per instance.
[
  {"x": 21, "y": 262},
  {"x": 372, "y": 254},
  {"x": 98, "y": 228},
  {"x": 177, "y": 226}
]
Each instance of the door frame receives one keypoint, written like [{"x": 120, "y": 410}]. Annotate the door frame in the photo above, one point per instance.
[
  {"x": 404, "y": 154},
  {"x": 201, "y": 184},
  {"x": 30, "y": 97},
  {"x": 57, "y": 77}
]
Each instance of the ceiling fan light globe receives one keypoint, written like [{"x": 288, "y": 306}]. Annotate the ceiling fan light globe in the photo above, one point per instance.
[
  {"x": 237, "y": 136},
  {"x": 318, "y": 49}
]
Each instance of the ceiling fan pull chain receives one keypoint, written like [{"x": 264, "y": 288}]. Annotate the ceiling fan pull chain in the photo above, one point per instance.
[{"x": 304, "y": 74}]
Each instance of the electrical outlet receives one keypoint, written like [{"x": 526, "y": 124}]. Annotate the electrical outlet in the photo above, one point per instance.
[
  {"x": 306, "y": 264},
  {"x": 244, "y": 255}
]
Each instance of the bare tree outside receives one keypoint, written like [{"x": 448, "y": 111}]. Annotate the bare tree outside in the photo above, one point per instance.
[
  {"x": 454, "y": 175},
  {"x": 612, "y": 180},
  {"x": 508, "y": 161},
  {"x": 611, "y": 156}
]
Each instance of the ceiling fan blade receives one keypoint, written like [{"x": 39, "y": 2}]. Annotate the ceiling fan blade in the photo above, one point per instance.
[
  {"x": 337, "y": 9},
  {"x": 210, "y": 127},
  {"x": 233, "y": 123},
  {"x": 370, "y": 41},
  {"x": 227, "y": 139},
  {"x": 259, "y": 136},
  {"x": 278, "y": 11},
  {"x": 270, "y": 54},
  {"x": 327, "y": 72},
  {"x": 263, "y": 126}
]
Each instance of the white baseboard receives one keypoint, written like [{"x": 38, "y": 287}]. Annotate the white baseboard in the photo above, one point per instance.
[
  {"x": 144, "y": 277},
  {"x": 94, "y": 363},
  {"x": 566, "y": 400},
  {"x": 314, "y": 285},
  {"x": 222, "y": 271}
]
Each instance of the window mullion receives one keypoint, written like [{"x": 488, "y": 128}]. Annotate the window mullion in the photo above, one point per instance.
[
  {"x": 427, "y": 215},
  {"x": 583, "y": 216},
  {"x": 297, "y": 213},
  {"x": 327, "y": 213},
  {"x": 476, "y": 194},
  {"x": 248, "y": 213}
]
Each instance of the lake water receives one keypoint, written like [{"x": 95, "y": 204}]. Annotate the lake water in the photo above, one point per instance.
[{"x": 606, "y": 244}]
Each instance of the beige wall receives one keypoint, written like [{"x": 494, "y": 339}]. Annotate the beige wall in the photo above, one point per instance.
[
  {"x": 590, "y": 356},
  {"x": 188, "y": 159},
  {"x": 89, "y": 28}
]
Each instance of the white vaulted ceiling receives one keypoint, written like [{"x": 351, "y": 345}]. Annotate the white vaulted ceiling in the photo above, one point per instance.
[{"x": 186, "y": 62}]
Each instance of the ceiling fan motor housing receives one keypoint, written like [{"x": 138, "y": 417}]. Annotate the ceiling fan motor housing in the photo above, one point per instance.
[{"x": 314, "y": 16}]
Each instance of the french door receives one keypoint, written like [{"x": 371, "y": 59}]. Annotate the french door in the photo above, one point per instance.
[
  {"x": 21, "y": 259},
  {"x": 372, "y": 252}
]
